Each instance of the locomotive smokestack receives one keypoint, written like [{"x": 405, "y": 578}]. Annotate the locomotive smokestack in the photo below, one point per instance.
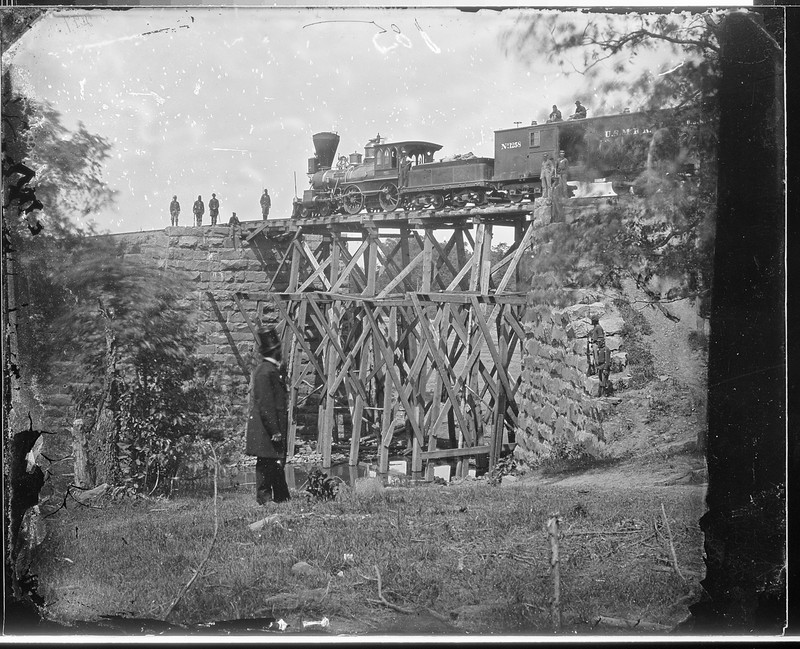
[{"x": 325, "y": 145}]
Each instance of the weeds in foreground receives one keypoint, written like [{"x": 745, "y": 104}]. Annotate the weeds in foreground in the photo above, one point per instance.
[{"x": 476, "y": 555}]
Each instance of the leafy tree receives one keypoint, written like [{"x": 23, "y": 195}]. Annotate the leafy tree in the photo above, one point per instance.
[
  {"x": 667, "y": 229},
  {"x": 52, "y": 185},
  {"x": 144, "y": 394}
]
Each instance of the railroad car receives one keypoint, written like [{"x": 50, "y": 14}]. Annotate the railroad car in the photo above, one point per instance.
[{"x": 606, "y": 152}]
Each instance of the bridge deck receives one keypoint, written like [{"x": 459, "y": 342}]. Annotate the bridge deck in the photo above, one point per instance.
[{"x": 508, "y": 215}]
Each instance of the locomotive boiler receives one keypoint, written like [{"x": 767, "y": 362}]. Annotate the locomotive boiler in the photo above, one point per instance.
[{"x": 355, "y": 183}]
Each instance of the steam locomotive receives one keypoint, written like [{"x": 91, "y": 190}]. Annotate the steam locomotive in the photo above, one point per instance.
[{"x": 609, "y": 152}]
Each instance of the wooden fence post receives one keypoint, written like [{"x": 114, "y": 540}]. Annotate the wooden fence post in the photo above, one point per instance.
[
  {"x": 79, "y": 453},
  {"x": 552, "y": 533}
]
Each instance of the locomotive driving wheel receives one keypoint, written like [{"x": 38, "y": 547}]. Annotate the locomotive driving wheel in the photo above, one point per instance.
[
  {"x": 389, "y": 197},
  {"x": 437, "y": 201},
  {"x": 352, "y": 200}
]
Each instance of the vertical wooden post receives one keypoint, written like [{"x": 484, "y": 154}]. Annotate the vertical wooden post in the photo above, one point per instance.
[
  {"x": 552, "y": 533},
  {"x": 334, "y": 312},
  {"x": 79, "y": 452},
  {"x": 387, "y": 423},
  {"x": 501, "y": 401},
  {"x": 427, "y": 278},
  {"x": 294, "y": 378},
  {"x": 371, "y": 270},
  {"x": 519, "y": 233}
]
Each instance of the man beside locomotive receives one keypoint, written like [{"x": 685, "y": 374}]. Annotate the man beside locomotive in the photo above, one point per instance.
[
  {"x": 213, "y": 209},
  {"x": 198, "y": 209},
  {"x": 405, "y": 167},
  {"x": 266, "y": 203},
  {"x": 562, "y": 167},
  {"x": 546, "y": 175},
  {"x": 268, "y": 420},
  {"x": 174, "y": 211}
]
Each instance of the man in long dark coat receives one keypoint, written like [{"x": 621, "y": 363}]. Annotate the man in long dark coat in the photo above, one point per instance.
[
  {"x": 603, "y": 362},
  {"x": 268, "y": 420},
  {"x": 213, "y": 209},
  {"x": 198, "y": 209},
  {"x": 174, "y": 211},
  {"x": 266, "y": 203}
]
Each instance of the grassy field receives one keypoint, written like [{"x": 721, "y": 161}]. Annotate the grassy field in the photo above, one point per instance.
[{"x": 463, "y": 558}]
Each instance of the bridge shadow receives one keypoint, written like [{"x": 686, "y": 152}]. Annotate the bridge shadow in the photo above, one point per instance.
[{"x": 223, "y": 324}]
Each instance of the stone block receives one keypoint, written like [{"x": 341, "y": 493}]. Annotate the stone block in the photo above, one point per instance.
[
  {"x": 206, "y": 350},
  {"x": 619, "y": 361},
  {"x": 189, "y": 242},
  {"x": 592, "y": 386},
  {"x": 258, "y": 277},
  {"x": 548, "y": 415},
  {"x": 613, "y": 343},
  {"x": 234, "y": 264},
  {"x": 560, "y": 427},
  {"x": 581, "y": 329},
  {"x": 577, "y": 312},
  {"x": 612, "y": 324}
]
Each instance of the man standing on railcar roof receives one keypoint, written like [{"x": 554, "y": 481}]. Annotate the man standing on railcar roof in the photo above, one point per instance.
[
  {"x": 555, "y": 116},
  {"x": 198, "y": 209},
  {"x": 213, "y": 209},
  {"x": 268, "y": 420},
  {"x": 174, "y": 211},
  {"x": 266, "y": 203}
]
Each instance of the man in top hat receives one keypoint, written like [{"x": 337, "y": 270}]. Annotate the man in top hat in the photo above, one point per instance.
[{"x": 268, "y": 420}]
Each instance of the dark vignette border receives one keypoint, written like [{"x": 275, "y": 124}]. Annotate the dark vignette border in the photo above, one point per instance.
[{"x": 748, "y": 439}]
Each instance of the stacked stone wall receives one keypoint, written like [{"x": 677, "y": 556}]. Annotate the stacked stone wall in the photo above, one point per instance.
[
  {"x": 214, "y": 271},
  {"x": 560, "y": 407}
]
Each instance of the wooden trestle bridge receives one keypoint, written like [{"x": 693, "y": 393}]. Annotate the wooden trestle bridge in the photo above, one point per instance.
[{"x": 427, "y": 340}]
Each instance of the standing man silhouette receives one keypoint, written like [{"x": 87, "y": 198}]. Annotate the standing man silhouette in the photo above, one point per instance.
[
  {"x": 174, "y": 211},
  {"x": 268, "y": 421},
  {"x": 213, "y": 209},
  {"x": 199, "y": 209},
  {"x": 266, "y": 203}
]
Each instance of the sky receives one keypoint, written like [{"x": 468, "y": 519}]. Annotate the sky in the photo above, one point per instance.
[{"x": 225, "y": 100}]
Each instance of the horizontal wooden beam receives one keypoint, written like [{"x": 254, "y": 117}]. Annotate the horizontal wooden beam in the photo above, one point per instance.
[
  {"x": 467, "y": 451},
  {"x": 463, "y": 297}
]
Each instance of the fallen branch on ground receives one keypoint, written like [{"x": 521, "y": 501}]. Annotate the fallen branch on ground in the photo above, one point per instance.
[
  {"x": 382, "y": 600},
  {"x": 210, "y": 547},
  {"x": 671, "y": 545},
  {"x": 291, "y": 601},
  {"x": 639, "y": 625}
]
